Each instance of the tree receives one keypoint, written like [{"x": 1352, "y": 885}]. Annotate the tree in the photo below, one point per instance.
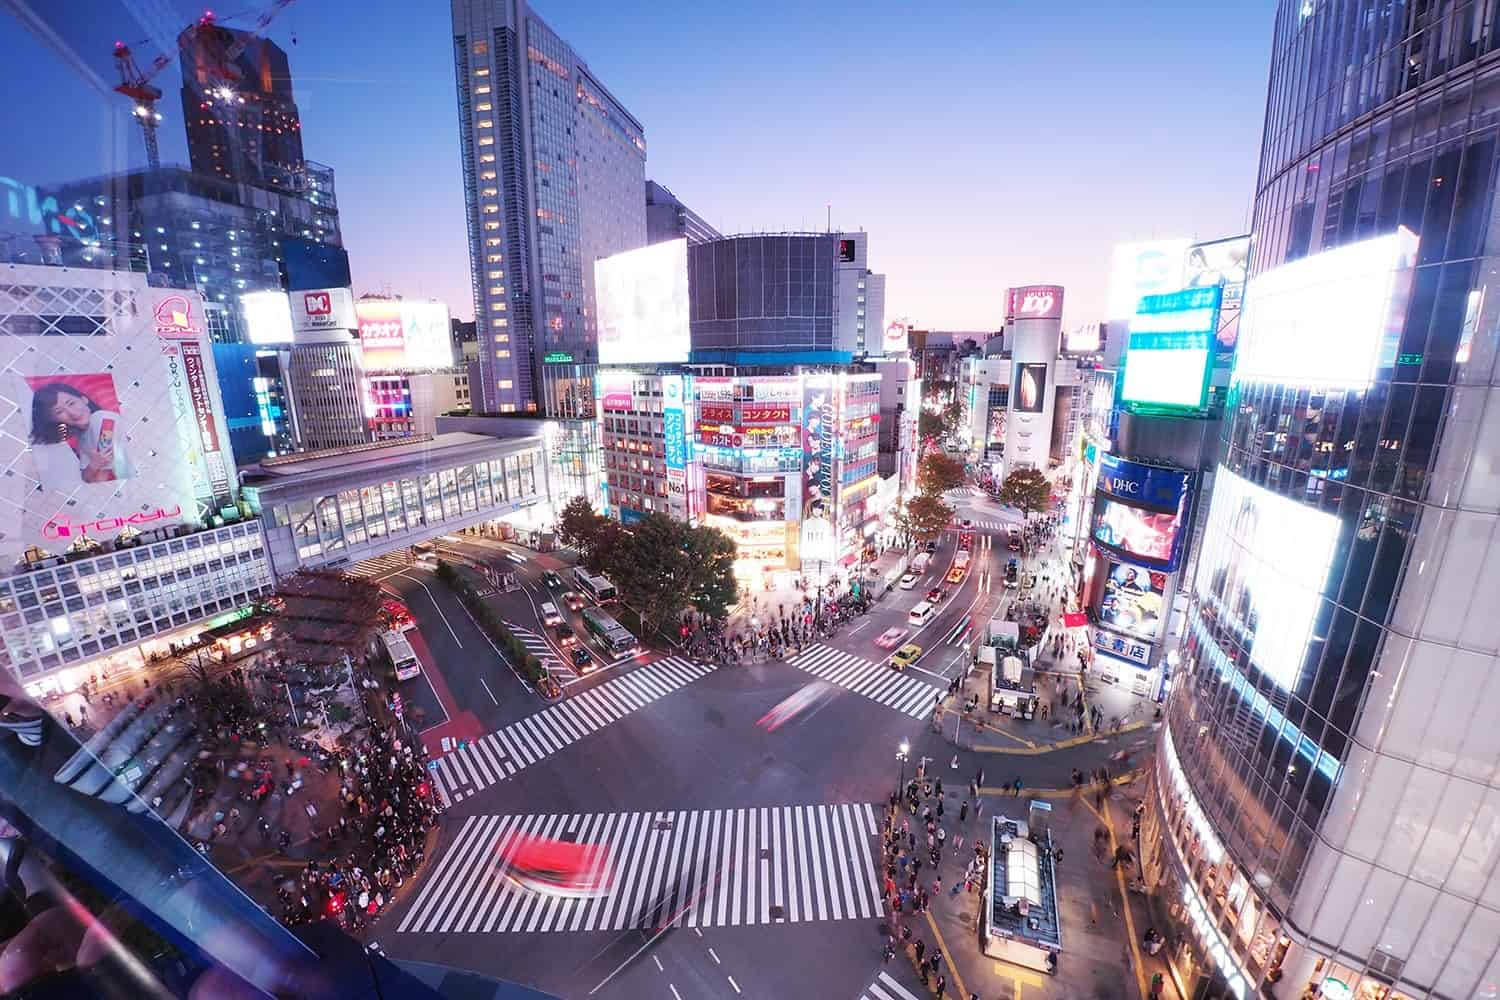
[
  {"x": 605, "y": 546},
  {"x": 1027, "y": 490},
  {"x": 939, "y": 473},
  {"x": 711, "y": 586},
  {"x": 953, "y": 415},
  {"x": 651, "y": 568},
  {"x": 578, "y": 524},
  {"x": 938, "y": 388},
  {"x": 927, "y": 516},
  {"x": 930, "y": 424}
]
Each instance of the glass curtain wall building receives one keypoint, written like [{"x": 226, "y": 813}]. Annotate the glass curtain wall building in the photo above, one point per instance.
[{"x": 1327, "y": 790}]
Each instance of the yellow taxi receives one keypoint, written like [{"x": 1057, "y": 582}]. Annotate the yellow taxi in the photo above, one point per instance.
[{"x": 905, "y": 656}]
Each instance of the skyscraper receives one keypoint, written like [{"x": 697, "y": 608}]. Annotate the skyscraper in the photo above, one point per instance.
[
  {"x": 554, "y": 168},
  {"x": 242, "y": 123},
  {"x": 1324, "y": 799},
  {"x": 667, "y": 218}
]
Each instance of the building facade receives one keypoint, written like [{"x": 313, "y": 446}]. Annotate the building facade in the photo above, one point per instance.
[
  {"x": 328, "y": 392},
  {"x": 256, "y": 388},
  {"x": 1324, "y": 797},
  {"x": 768, "y": 295},
  {"x": 667, "y": 218},
  {"x": 649, "y": 466},
  {"x": 554, "y": 167},
  {"x": 403, "y": 404}
]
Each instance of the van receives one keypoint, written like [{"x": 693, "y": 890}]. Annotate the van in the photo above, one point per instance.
[
  {"x": 550, "y": 615},
  {"x": 921, "y": 614},
  {"x": 919, "y": 563}
]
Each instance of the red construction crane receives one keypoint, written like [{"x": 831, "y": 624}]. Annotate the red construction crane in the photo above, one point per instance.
[{"x": 136, "y": 84}]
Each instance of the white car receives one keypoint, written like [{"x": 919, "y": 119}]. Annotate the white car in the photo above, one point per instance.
[{"x": 908, "y": 581}]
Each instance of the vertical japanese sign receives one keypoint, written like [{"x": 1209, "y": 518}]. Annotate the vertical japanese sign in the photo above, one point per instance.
[
  {"x": 200, "y": 396},
  {"x": 674, "y": 422}
]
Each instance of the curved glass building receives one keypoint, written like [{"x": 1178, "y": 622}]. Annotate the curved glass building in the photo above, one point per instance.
[{"x": 1324, "y": 816}]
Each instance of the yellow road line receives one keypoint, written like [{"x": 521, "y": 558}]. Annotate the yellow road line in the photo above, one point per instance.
[
  {"x": 1067, "y": 744},
  {"x": 1062, "y": 793},
  {"x": 958, "y": 980},
  {"x": 1135, "y": 948}
]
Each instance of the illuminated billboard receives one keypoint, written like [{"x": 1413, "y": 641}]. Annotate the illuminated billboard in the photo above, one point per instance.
[
  {"x": 1223, "y": 263},
  {"x": 895, "y": 339},
  {"x": 268, "y": 317},
  {"x": 1085, "y": 338},
  {"x": 1170, "y": 350},
  {"x": 1138, "y": 269},
  {"x": 382, "y": 335},
  {"x": 615, "y": 389},
  {"x": 1134, "y": 600},
  {"x": 428, "y": 332},
  {"x": 320, "y": 310},
  {"x": 1137, "y": 509},
  {"x": 1035, "y": 302},
  {"x": 674, "y": 422},
  {"x": 1264, "y": 564},
  {"x": 642, "y": 298},
  {"x": 1030, "y": 395},
  {"x": 1330, "y": 320}
]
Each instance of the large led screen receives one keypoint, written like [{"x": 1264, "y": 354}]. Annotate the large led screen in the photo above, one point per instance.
[
  {"x": 1147, "y": 535},
  {"x": 1265, "y": 561},
  {"x": 1134, "y": 600},
  {"x": 268, "y": 317},
  {"x": 1329, "y": 320},
  {"x": 643, "y": 305},
  {"x": 1031, "y": 387},
  {"x": 1223, "y": 263},
  {"x": 1138, "y": 269},
  {"x": 428, "y": 334},
  {"x": 382, "y": 334},
  {"x": 1170, "y": 351}
]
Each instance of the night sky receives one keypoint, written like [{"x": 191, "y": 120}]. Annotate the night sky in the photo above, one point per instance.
[{"x": 981, "y": 145}]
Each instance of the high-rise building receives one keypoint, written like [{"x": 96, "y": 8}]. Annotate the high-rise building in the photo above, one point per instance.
[
  {"x": 554, "y": 167},
  {"x": 1323, "y": 801},
  {"x": 242, "y": 123},
  {"x": 765, "y": 298},
  {"x": 667, "y": 218}
]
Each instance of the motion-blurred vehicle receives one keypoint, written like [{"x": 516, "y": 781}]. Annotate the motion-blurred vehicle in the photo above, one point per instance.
[
  {"x": 932, "y": 546},
  {"x": 552, "y": 580},
  {"x": 557, "y": 867},
  {"x": 936, "y": 594},
  {"x": 574, "y": 600},
  {"x": 891, "y": 636},
  {"x": 550, "y": 615},
  {"x": 804, "y": 699},
  {"x": 398, "y": 614},
  {"x": 906, "y": 656},
  {"x": 1012, "y": 574}
]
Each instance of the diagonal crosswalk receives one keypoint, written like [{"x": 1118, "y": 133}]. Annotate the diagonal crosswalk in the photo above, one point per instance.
[
  {"x": 497, "y": 756},
  {"x": 695, "y": 868},
  {"x": 885, "y": 987},
  {"x": 869, "y": 678}
]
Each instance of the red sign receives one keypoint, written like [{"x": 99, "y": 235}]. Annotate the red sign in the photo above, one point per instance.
[
  {"x": 63, "y": 526},
  {"x": 763, "y": 413},
  {"x": 1075, "y": 619},
  {"x": 716, "y": 414},
  {"x": 201, "y": 396},
  {"x": 173, "y": 317},
  {"x": 1035, "y": 302},
  {"x": 317, "y": 303}
]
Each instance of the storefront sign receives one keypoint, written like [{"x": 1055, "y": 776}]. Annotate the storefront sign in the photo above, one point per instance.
[
  {"x": 63, "y": 527},
  {"x": 176, "y": 315},
  {"x": 766, "y": 414},
  {"x": 200, "y": 395},
  {"x": 715, "y": 414},
  {"x": 775, "y": 390},
  {"x": 1121, "y": 646}
]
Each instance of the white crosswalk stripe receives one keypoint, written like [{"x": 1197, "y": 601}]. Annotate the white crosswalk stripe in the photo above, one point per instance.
[
  {"x": 537, "y": 646},
  {"x": 501, "y": 754},
  {"x": 886, "y": 988},
  {"x": 391, "y": 562},
  {"x": 875, "y": 681},
  {"x": 696, "y": 868},
  {"x": 988, "y": 526}
]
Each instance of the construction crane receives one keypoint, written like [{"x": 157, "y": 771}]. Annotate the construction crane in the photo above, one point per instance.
[{"x": 136, "y": 84}]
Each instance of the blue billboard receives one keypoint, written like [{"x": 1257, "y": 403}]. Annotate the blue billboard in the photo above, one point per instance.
[
  {"x": 1137, "y": 511},
  {"x": 1141, "y": 484},
  {"x": 674, "y": 423}
]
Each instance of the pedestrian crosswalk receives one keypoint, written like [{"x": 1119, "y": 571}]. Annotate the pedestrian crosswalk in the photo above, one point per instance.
[
  {"x": 391, "y": 562},
  {"x": 959, "y": 492},
  {"x": 988, "y": 526},
  {"x": 478, "y": 764},
  {"x": 886, "y": 988},
  {"x": 695, "y": 868},
  {"x": 537, "y": 646},
  {"x": 875, "y": 681}
]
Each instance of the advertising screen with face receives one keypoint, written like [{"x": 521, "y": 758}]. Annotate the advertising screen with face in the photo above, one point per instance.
[
  {"x": 1031, "y": 386},
  {"x": 1145, "y": 534},
  {"x": 1134, "y": 600},
  {"x": 643, "y": 305},
  {"x": 1224, "y": 263},
  {"x": 1264, "y": 564}
]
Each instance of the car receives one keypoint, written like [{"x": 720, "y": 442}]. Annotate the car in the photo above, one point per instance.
[
  {"x": 574, "y": 600},
  {"x": 906, "y": 656},
  {"x": 565, "y": 635},
  {"x": 956, "y": 574},
  {"x": 891, "y": 636},
  {"x": 552, "y": 580},
  {"x": 1012, "y": 574},
  {"x": 966, "y": 541},
  {"x": 583, "y": 663},
  {"x": 936, "y": 594},
  {"x": 908, "y": 581},
  {"x": 931, "y": 547}
]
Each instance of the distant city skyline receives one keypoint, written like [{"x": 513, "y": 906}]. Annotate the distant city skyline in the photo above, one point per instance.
[{"x": 941, "y": 136}]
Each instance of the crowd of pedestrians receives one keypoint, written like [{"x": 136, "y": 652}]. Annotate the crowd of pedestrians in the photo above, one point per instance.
[{"x": 783, "y": 632}]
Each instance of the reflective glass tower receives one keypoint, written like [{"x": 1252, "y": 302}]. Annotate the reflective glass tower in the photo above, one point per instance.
[{"x": 1325, "y": 798}]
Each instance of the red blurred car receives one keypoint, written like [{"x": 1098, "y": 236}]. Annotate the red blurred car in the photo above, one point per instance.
[
  {"x": 399, "y": 615},
  {"x": 557, "y": 867}
]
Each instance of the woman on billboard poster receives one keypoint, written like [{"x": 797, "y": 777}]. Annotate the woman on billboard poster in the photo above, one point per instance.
[{"x": 76, "y": 431}]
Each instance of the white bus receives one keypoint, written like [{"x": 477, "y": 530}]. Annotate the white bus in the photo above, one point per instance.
[
  {"x": 597, "y": 587},
  {"x": 403, "y": 657}
]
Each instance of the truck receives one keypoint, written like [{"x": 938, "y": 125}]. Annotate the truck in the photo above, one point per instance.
[{"x": 919, "y": 563}]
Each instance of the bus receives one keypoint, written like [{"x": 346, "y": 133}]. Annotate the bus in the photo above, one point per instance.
[
  {"x": 597, "y": 587},
  {"x": 403, "y": 657},
  {"x": 608, "y": 633}
]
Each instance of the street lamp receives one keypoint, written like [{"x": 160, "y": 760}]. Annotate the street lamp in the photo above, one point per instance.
[{"x": 901, "y": 754}]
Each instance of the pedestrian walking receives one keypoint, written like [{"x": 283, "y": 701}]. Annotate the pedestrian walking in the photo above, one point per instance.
[
  {"x": 1017, "y": 786},
  {"x": 963, "y": 811}
]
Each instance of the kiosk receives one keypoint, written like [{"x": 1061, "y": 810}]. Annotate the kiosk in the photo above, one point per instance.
[{"x": 1018, "y": 915}]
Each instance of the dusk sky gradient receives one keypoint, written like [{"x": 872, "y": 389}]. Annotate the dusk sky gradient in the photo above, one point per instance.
[{"x": 981, "y": 145}]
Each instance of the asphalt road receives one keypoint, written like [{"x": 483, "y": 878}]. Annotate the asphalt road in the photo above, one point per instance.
[{"x": 762, "y": 837}]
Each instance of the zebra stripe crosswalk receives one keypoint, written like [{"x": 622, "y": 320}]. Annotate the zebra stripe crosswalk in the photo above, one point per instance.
[
  {"x": 696, "y": 868},
  {"x": 886, "y": 988},
  {"x": 875, "y": 681},
  {"x": 381, "y": 566},
  {"x": 498, "y": 755},
  {"x": 537, "y": 646},
  {"x": 990, "y": 526}
]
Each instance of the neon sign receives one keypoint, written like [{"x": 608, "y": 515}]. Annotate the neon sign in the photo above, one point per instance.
[{"x": 63, "y": 527}]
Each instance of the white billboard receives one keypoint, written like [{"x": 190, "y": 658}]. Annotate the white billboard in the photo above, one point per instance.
[
  {"x": 90, "y": 438},
  {"x": 268, "y": 317},
  {"x": 1144, "y": 269},
  {"x": 1265, "y": 561},
  {"x": 642, "y": 298},
  {"x": 428, "y": 334},
  {"x": 1329, "y": 320},
  {"x": 320, "y": 309}
]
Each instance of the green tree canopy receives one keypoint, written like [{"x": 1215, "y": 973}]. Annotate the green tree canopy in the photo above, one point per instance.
[
  {"x": 578, "y": 524},
  {"x": 712, "y": 587},
  {"x": 928, "y": 516},
  {"x": 939, "y": 473},
  {"x": 1027, "y": 490},
  {"x": 930, "y": 424}
]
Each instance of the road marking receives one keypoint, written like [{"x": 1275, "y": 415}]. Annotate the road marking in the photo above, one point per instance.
[
  {"x": 444, "y": 617},
  {"x": 856, "y": 628},
  {"x": 674, "y": 991},
  {"x": 658, "y": 964},
  {"x": 670, "y": 870},
  {"x": 737, "y": 985},
  {"x": 958, "y": 980},
  {"x": 489, "y": 692},
  {"x": 885, "y": 987},
  {"x": 874, "y": 680},
  {"x": 713, "y": 955}
]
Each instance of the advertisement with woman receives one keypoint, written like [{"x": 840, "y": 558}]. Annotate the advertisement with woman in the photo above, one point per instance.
[
  {"x": 76, "y": 430},
  {"x": 1134, "y": 600}
]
